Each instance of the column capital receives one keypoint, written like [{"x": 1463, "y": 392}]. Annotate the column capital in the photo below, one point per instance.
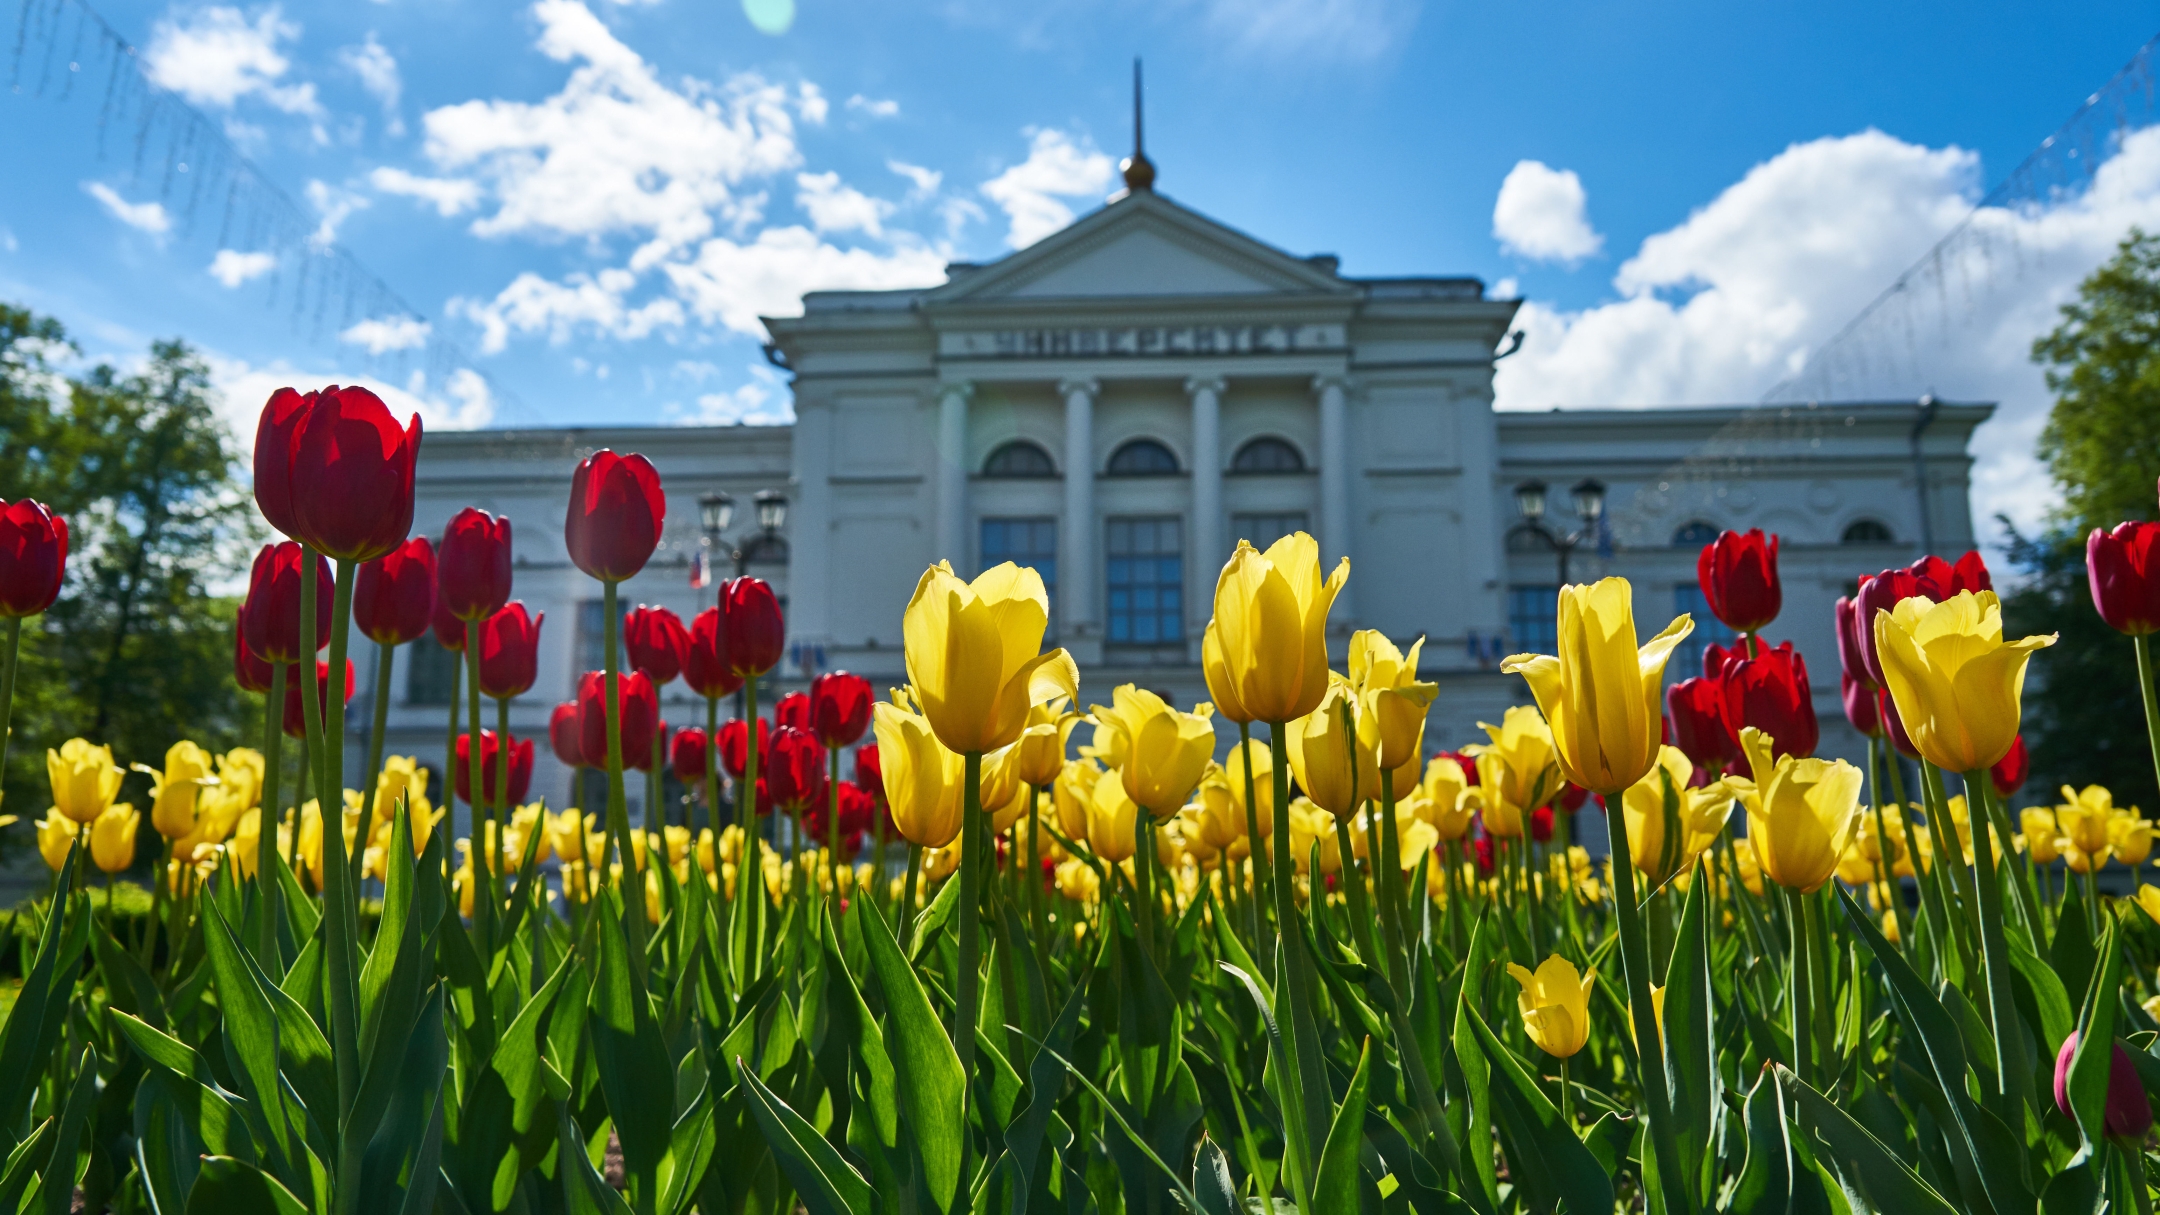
[
  {"x": 956, "y": 388},
  {"x": 1338, "y": 380},
  {"x": 1195, "y": 385},
  {"x": 1086, "y": 386}
]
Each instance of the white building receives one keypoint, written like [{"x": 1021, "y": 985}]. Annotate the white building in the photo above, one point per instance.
[{"x": 1118, "y": 404}]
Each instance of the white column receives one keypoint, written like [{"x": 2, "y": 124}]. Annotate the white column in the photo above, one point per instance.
[
  {"x": 1333, "y": 392},
  {"x": 810, "y": 616},
  {"x": 952, "y": 478},
  {"x": 1076, "y": 540},
  {"x": 1205, "y": 551}
]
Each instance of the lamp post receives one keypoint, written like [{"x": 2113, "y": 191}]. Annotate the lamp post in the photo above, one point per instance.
[
  {"x": 715, "y": 510},
  {"x": 1589, "y": 500}
]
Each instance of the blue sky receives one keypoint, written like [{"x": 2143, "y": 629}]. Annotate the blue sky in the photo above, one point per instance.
[{"x": 594, "y": 200}]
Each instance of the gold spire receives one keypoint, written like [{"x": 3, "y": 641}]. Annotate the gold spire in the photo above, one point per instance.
[{"x": 1139, "y": 171}]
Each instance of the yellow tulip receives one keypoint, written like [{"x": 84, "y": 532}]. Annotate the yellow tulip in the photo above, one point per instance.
[
  {"x": 2148, "y": 900},
  {"x": 84, "y": 779},
  {"x": 1518, "y": 771},
  {"x": 2041, "y": 832},
  {"x": 1669, "y": 824},
  {"x": 173, "y": 791},
  {"x": 1448, "y": 800},
  {"x": 1602, "y": 696},
  {"x": 240, "y": 776},
  {"x": 1218, "y": 820},
  {"x": 2131, "y": 838},
  {"x": 1262, "y": 762},
  {"x": 1333, "y": 759},
  {"x": 1310, "y": 825},
  {"x": 1751, "y": 874},
  {"x": 1391, "y": 698},
  {"x": 923, "y": 777},
  {"x": 1955, "y": 680},
  {"x": 1162, "y": 751},
  {"x": 2085, "y": 821},
  {"x": 1555, "y": 1005},
  {"x": 1001, "y": 785},
  {"x": 401, "y": 776},
  {"x": 973, "y": 655},
  {"x": 1077, "y": 880},
  {"x": 1112, "y": 820},
  {"x": 1012, "y": 810},
  {"x": 1657, "y": 1010},
  {"x": 1040, "y": 754},
  {"x": 1801, "y": 812},
  {"x": 246, "y": 837},
  {"x": 112, "y": 837},
  {"x": 1265, "y": 649},
  {"x": 55, "y": 835},
  {"x": 1075, "y": 784}
]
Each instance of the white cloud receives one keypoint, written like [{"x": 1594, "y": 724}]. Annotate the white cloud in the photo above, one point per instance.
[
  {"x": 1057, "y": 167},
  {"x": 232, "y": 267},
  {"x": 450, "y": 195},
  {"x": 215, "y": 56},
  {"x": 1539, "y": 214},
  {"x": 460, "y": 401},
  {"x": 334, "y": 204},
  {"x": 1724, "y": 305},
  {"x": 387, "y": 333},
  {"x": 1335, "y": 31},
  {"x": 811, "y": 104},
  {"x": 736, "y": 283},
  {"x": 925, "y": 181},
  {"x": 958, "y": 213},
  {"x": 378, "y": 73},
  {"x": 615, "y": 151},
  {"x": 833, "y": 207},
  {"x": 532, "y": 304},
  {"x": 875, "y": 107},
  {"x": 762, "y": 400},
  {"x": 148, "y": 217}
]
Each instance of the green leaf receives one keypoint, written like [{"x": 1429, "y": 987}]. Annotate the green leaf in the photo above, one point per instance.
[
  {"x": 690, "y": 1151},
  {"x": 2089, "y": 1067},
  {"x": 932, "y": 919},
  {"x": 160, "y": 1049},
  {"x": 1533, "y": 1129},
  {"x": 1024, "y": 1137},
  {"x": 32, "y": 1030},
  {"x": 228, "y": 1186},
  {"x": 584, "y": 1191},
  {"x": 503, "y": 1129},
  {"x": 1871, "y": 1176},
  {"x": 925, "y": 1065},
  {"x": 2050, "y": 999},
  {"x": 250, "y": 1030},
  {"x": 128, "y": 986},
  {"x": 1212, "y": 1183},
  {"x": 1473, "y": 1072},
  {"x": 824, "y": 1182},
  {"x": 1335, "y": 1187},
  {"x": 67, "y": 1148},
  {"x": 635, "y": 1073},
  {"x": 403, "y": 1136},
  {"x": 1691, "y": 1071}
]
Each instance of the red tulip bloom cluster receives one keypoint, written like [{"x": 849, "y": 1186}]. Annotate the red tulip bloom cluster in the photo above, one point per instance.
[
  {"x": 639, "y": 708},
  {"x": 2123, "y": 566},
  {"x": 1768, "y": 691},
  {"x": 33, "y": 557},
  {"x": 734, "y": 746},
  {"x": 688, "y": 755},
  {"x": 472, "y": 567},
  {"x": 1541, "y": 824},
  {"x": 334, "y": 470},
  {"x": 793, "y": 711},
  {"x": 858, "y": 812},
  {"x": 1739, "y": 577},
  {"x": 657, "y": 642},
  {"x": 840, "y": 708},
  {"x": 394, "y": 596},
  {"x": 295, "y": 722},
  {"x": 509, "y": 652},
  {"x": 1930, "y": 576},
  {"x": 270, "y": 616},
  {"x": 249, "y": 671},
  {"x": 2009, "y": 773},
  {"x": 752, "y": 633},
  {"x": 521, "y": 768},
  {"x": 705, "y": 667},
  {"x": 792, "y": 769},
  {"x": 566, "y": 735},
  {"x": 616, "y": 512},
  {"x": 1695, "y": 710}
]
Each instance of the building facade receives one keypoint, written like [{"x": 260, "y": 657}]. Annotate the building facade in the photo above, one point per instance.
[{"x": 1122, "y": 402}]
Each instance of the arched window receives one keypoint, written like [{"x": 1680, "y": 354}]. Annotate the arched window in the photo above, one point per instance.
[
  {"x": 1019, "y": 458},
  {"x": 1694, "y": 534},
  {"x": 1267, "y": 454},
  {"x": 1142, "y": 458},
  {"x": 1866, "y": 531}
]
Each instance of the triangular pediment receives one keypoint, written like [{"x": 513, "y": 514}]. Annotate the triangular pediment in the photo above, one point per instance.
[{"x": 1142, "y": 245}]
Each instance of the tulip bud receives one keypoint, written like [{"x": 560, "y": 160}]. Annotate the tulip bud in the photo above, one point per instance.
[
  {"x": 521, "y": 769},
  {"x": 85, "y": 780},
  {"x": 566, "y": 735},
  {"x": 735, "y": 745},
  {"x": 687, "y": 755},
  {"x": 2123, "y": 567},
  {"x": 792, "y": 710},
  {"x": 33, "y": 557},
  {"x": 1739, "y": 577},
  {"x": 509, "y": 652},
  {"x": 1555, "y": 1005},
  {"x": 2128, "y": 1115},
  {"x": 869, "y": 776},
  {"x": 752, "y": 633},
  {"x": 2009, "y": 773},
  {"x": 657, "y": 643},
  {"x": 1696, "y": 710},
  {"x": 295, "y": 722},
  {"x": 112, "y": 837},
  {"x": 1166, "y": 750},
  {"x": 249, "y": 671},
  {"x": 394, "y": 595},
  {"x": 1863, "y": 705},
  {"x": 637, "y": 707},
  {"x": 270, "y": 615},
  {"x": 1256, "y": 670},
  {"x": 705, "y": 665},
  {"x": 921, "y": 777},
  {"x": 472, "y": 565},
  {"x": 1852, "y": 652},
  {"x": 616, "y": 512},
  {"x": 793, "y": 769},
  {"x": 351, "y": 474},
  {"x": 1770, "y": 692},
  {"x": 840, "y": 708}
]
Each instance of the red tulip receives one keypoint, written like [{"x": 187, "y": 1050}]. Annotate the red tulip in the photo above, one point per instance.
[
  {"x": 296, "y": 709},
  {"x": 793, "y": 768},
  {"x": 1696, "y": 709},
  {"x": 1852, "y": 655},
  {"x": 1770, "y": 692},
  {"x": 1894, "y": 726},
  {"x": 1930, "y": 576},
  {"x": 705, "y": 669},
  {"x": 2009, "y": 773},
  {"x": 793, "y": 710},
  {"x": 858, "y": 811},
  {"x": 509, "y": 652},
  {"x": 1739, "y": 577},
  {"x": 840, "y": 708},
  {"x": 33, "y": 557},
  {"x": 566, "y": 734},
  {"x": 1714, "y": 656},
  {"x": 1862, "y": 705},
  {"x": 270, "y": 616},
  {"x": 752, "y": 631},
  {"x": 276, "y": 434},
  {"x": 351, "y": 474},
  {"x": 734, "y": 751},
  {"x": 521, "y": 768},
  {"x": 1482, "y": 850},
  {"x": 616, "y": 511},
  {"x": 394, "y": 597},
  {"x": 2124, "y": 568},
  {"x": 1541, "y": 824},
  {"x": 1468, "y": 762},
  {"x": 657, "y": 642},
  {"x": 472, "y": 568},
  {"x": 449, "y": 630},
  {"x": 764, "y": 805},
  {"x": 1572, "y": 796},
  {"x": 689, "y": 756},
  {"x": 869, "y": 772},
  {"x": 2128, "y": 1115},
  {"x": 638, "y": 707},
  {"x": 250, "y": 672}
]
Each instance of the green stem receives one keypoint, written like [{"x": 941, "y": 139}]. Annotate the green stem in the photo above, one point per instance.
[
  {"x": 384, "y": 655},
  {"x": 1389, "y": 866},
  {"x": 618, "y": 805},
  {"x": 832, "y": 822},
  {"x": 1305, "y": 1117},
  {"x": 712, "y": 783},
  {"x": 1803, "y": 1037},
  {"x": 2010, "y": 1065},
  {"x": 2145, "y": 689},
  {"x": 7, "y": 688},
  {"x": 1034, "y": 876},
  {"x": 476, "y": 801},
  {"x": 1567, "y": 1099},
  {"x": 266, "y": 813},
  {"x": 907, "y": 893},
  {"x": 501, "y": 813},
  {"x": 1354, "y": 889},
  {"x": 342, "y": 920},
  {"x": 1252, "y": 830},
  {"x": 966, "y": 1006},
  {"x": 1678, "y": 1189}
]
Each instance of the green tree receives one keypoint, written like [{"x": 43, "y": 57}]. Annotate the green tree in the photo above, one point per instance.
[{"x": 2084, "y": 721}]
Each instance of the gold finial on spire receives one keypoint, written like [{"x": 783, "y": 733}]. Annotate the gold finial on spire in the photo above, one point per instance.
[{"x": 1139, "y": 171}]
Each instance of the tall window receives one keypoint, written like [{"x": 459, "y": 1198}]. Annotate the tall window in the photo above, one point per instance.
[
  {"x": 1029, "y": 542},
  {"x": 1146, "y": 581},
  {"x": 428, "y": 672},
  {"x": 1532, "y": 615},
  {"x": 590, "y": 646},
  {"x": 1266, "y": 529},
  {"x": 1686, "y": 661}
]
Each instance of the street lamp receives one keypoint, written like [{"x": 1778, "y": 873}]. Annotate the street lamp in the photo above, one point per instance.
[
  {"x": 771, "y": 510},
  {"x": 716, "y": 511},
  {"x": 1588, "y": 496}
]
